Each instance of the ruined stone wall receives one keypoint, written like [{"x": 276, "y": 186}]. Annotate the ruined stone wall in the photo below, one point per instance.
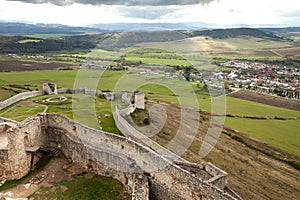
[
  {"x": 2, "y": 120},
  {"x": 20, "y": 138},
  {"x": 130, "y": 132},
  {"x": 49, "y": 88},
  {"x": 105, "y": 154},
  {"x": 196, "y": 169},
  {"x": 19, "y": 97},
  {"x": 200, "y": 176},
  {"x": 220, "y": 177},
  {"x": 183, "y": 184},
  {"x": 120, "y": 158},
  {"x": 4, "y": 164},
  {"x": 209, "y": 173},
  {"x": 133, "y": 156},
  {"x": 79, "y": 90},
  {"x": 95, "y": 150}
]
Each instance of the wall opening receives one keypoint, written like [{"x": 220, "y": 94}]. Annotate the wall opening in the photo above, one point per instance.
[{"x": 26, "y": 141}]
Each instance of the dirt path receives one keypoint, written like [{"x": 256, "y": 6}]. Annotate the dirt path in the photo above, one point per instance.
[
  {"x": 19, "y": 65},
  {"x": 267, "y": 99}
]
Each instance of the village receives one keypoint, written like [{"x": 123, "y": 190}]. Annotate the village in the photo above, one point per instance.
[{"x": 264, "y": 78}]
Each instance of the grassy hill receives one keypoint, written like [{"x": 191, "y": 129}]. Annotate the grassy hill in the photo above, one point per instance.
[{"x": 16, "y": 44}]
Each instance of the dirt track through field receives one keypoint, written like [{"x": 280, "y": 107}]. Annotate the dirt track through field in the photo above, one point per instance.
[
  {"x": 266, "y": 99},
  {"x": 16, "y": 65}
]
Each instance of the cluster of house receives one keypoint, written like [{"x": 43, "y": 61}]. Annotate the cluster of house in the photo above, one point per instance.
[
  {"x": 13, "y": 55},
  {"x": 265, "y": 78}
]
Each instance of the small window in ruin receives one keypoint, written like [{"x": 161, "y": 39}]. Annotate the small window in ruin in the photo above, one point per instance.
[
  {"x": 122, "y": 146},
  {"x": 52, "y": 87},
  {"x": 26, "y": 141}
]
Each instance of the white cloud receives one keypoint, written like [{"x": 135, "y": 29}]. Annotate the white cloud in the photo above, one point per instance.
[
  {"x": 228, "y": 12},
  {"x": 120, "y": 2},
  {"x": 75, "y": 14},
  {"x": 221, "y": 13}
]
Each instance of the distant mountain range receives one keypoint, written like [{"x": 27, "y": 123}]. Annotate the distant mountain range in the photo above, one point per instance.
[
  {"x": 281, "y": 30},
  {"x": 151, "y": 26},
  {"x": 12, "y": 28}
]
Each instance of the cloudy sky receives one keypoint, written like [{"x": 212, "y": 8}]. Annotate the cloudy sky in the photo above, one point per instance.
[{"x": 219, "y": 13}]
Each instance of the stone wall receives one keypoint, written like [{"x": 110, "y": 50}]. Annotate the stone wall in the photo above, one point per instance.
[
  {"x": 207, "y": 175},
  {"x": 183, "y": 184},
  {"x": 79, "y": 90},
  {"x": 19, "y": 97},
  {"x": 2, "y": 120},
  {"x": 219, "y": 177},
  {"x": 196, "y": 169},
  {"x": 130, "y": 132},
  {"x": 121, "y": 158},
  {"x": 105, "y": 154},
  {"x": 4, "y": 164},
  {"x": 49, "y": 88},
  {"x": 95, "y": 150},
  {"x": 20, "y": 137}
]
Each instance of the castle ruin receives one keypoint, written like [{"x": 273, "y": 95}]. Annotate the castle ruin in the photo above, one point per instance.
[{"x": 145, "y": 172}]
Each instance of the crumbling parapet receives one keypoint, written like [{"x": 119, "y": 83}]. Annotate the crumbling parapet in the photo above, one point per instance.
[
  {"x": 140, "y": 187},
  {"x": 138, "y": 98}
]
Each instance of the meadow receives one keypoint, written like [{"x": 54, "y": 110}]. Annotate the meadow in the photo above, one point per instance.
[
  {"x": 99, "y": 117},
  {"x": 46, "y": 36},
  {"x": 27, "y": 41},
  {"x": 84, "y": 189},
  {"x": 280, "y": 133}
]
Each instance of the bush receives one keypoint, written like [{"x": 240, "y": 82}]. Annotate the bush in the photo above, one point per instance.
[
  {"x": 294, "y": 163},
  {"x": 237, "y": 138}
]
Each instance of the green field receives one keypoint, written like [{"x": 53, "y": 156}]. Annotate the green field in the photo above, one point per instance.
[
  {"x": 162, "y": 90},
  {"x": 279, "y": 133},
  {"x": 292, "y": 35},
  {"x": 27, "y": 41},
  {"x": 82, "y": 188},
  {"x": 46, "y": 36},
  {"x": 253, "y": 43},
  {"x": 5, "y": 94},
  {"x": 158, "y": 61},
  {"x": 64, "y": 78}
]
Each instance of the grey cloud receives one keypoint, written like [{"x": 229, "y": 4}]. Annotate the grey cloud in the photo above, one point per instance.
[
  {"x": 148, "y": 12},
  {"x": 120, "y": 2}
]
